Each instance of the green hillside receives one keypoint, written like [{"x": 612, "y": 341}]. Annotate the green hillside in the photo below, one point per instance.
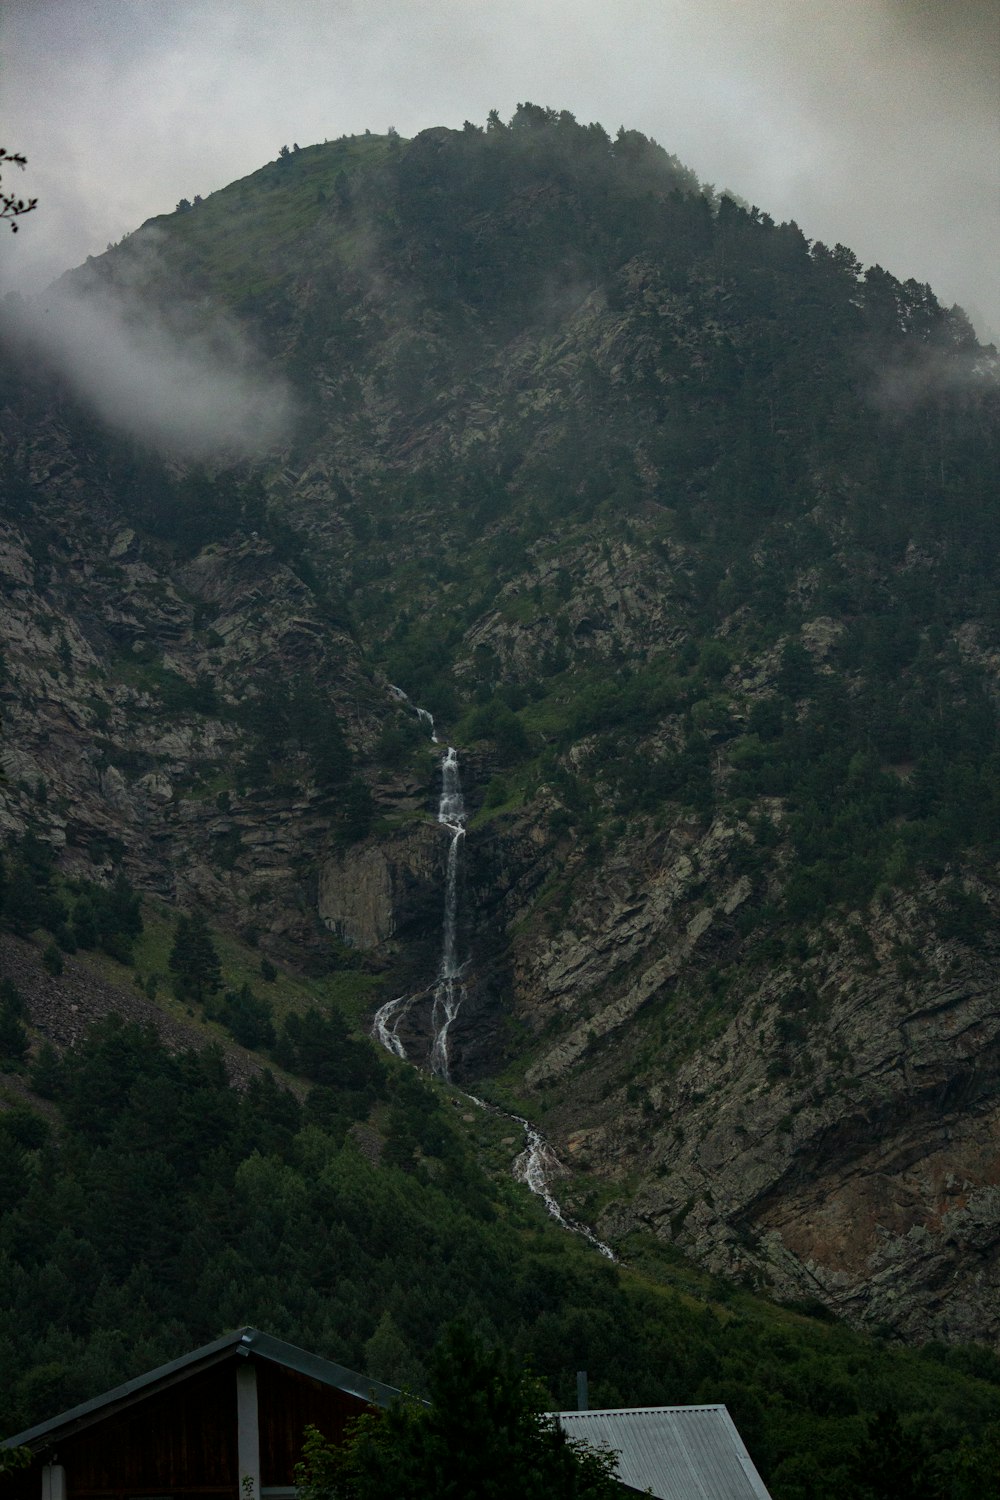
[{"x": 151, "y": 1204}]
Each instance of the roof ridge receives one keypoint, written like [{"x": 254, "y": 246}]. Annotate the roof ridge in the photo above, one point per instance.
[{"x": 246, "y": 1341}]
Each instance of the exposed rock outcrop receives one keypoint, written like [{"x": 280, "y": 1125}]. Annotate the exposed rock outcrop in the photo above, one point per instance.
[{"x": 826, "y": 1126}]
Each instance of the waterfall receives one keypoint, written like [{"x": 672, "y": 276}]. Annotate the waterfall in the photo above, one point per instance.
[
  {"x": 533, "y": 1167},
  {"x": 424, "y": 715},
  {"x": 448, "y": 991},
  {"x": 537, "y": 1161},
  {"x": 386, "y": 1023}
]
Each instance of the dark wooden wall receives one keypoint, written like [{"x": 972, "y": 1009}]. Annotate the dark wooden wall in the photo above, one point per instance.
[
  {"x": 183, "y": 1440},
  {"x": 288, "y": 1403},
  {"x": 180, "y": 1441}
]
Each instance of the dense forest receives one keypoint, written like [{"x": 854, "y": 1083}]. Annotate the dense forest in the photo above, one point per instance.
[
  {"x": 147, "y": 1203},
  {"x": 680, "y": 525}
]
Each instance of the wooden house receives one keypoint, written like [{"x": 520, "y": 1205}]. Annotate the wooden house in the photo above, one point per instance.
[{"x": 226, "y": 1420}]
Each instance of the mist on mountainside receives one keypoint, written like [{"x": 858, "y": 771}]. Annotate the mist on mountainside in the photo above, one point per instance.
[
  {"x": 179, "y": 377},
  {"x": 875, "y": 124}
]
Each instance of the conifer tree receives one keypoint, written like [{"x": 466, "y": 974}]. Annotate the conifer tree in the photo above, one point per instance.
[
  {"x": 485, "y": 1433},
  {"x": 13, "y": 1037},
  {"x": 46, "y": 1072},
  {"x": 194, "y": 959}
]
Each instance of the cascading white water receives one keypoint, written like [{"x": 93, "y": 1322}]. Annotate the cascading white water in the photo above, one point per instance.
[
  {"x": 427, "y": 718},
  {"x": 386, "y": 1023},
  {"x": 449, "y": 991},
  {"x": 537, "y": 1161},
  {"x": 423, "y": 714},
  {"x": 533, "y": 1167}
]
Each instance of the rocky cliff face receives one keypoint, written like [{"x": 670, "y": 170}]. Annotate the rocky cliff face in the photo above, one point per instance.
[
  {"x": 822, "y": 1124},
  {"x": 124, "y": 675}
]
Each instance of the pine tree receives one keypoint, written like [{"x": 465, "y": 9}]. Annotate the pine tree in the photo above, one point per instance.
[
  {"x": 388, "y": 1356},
  {"x": 13, "y": 1037},
  {"x": 46, "y": 1072},
  {"x": 194, "y": 959},
  {"x": 485, "y": 1433}
]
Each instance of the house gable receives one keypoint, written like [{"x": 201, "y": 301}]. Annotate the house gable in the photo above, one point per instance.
[{"x": 227, "y": 1420}]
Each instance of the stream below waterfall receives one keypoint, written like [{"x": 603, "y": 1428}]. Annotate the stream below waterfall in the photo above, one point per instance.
[{"x": 537, "y": 1163}]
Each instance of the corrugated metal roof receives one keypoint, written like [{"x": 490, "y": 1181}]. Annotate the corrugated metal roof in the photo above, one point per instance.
[
  {"x": 674, "y": 1452},
  {"x": 248, "y": 1342}
]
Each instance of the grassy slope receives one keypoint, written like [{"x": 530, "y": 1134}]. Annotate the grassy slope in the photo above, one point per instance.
[{"x": 241, "y": 241}]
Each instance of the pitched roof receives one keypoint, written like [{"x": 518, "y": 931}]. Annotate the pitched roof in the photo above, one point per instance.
[
  {"x": 248, "y": 1343},
  {"x": 674, "y": 1452}
]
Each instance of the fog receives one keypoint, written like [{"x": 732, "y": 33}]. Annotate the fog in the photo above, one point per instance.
[
  {"x": 189, "y": 385},
  {"x": 875, "y": 123}
]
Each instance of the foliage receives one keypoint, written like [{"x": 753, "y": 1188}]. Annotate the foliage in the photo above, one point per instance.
[
  {"x": 108, "y": 917},
  {"x": 13, "y": 1036},
  {"x": 247, "y": 1017},
  {"x": 284, "y": 721},
  {"x": 162, "y": 1206},
  {"x": 12, "y": 207},
  {"x": 78, "y": 913},
  {"x": 317, "y": 1045},
  {"x": 194, "y": 959},
  {"x": 30, "y": 898},
  {"x": 484, "y": 1433}
]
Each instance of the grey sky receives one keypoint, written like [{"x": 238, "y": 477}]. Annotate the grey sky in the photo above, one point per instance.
[{"x": 871, "y": 122}]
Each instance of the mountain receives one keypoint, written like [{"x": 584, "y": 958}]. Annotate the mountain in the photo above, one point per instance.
[{"x": 681, "y": 527}]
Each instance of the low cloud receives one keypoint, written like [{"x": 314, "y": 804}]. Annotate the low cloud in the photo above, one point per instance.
[
  {"x": 931, "y": 373},
  {"x": 185, "y": 382},
  {"x": 872, "y": 123}
]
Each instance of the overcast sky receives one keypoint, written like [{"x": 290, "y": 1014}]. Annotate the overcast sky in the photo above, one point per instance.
[{"x": 875, "y": 123}]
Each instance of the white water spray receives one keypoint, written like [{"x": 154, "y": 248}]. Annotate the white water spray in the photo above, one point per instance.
[
  {"x": 534, "y": 1166},
  {"x": 449, "y": 991},
  {"x": 423, "y": 714},
  {"x": 537, "y": 1162},
  {"x": 387, "y": 1021}
]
